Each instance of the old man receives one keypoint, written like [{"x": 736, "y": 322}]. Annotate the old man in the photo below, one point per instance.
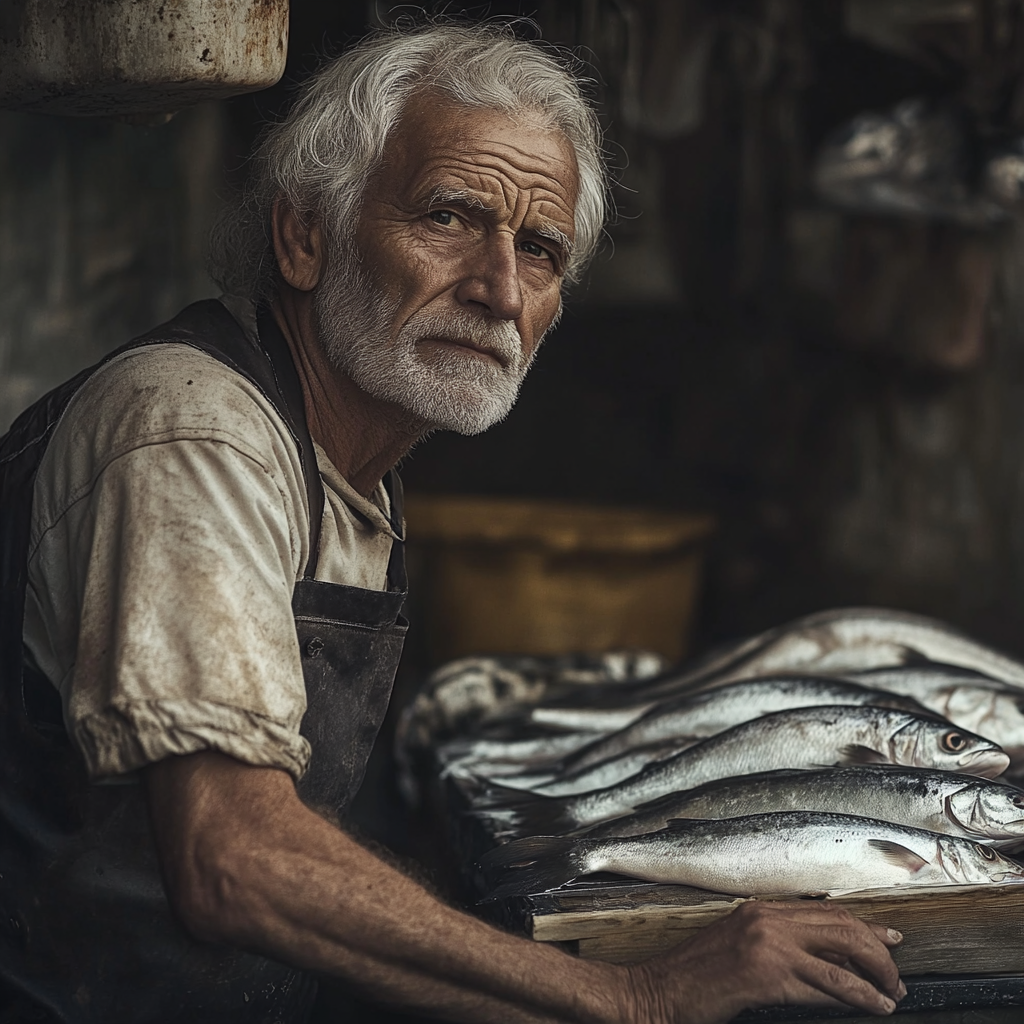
[{"x": 203, "y": 580}]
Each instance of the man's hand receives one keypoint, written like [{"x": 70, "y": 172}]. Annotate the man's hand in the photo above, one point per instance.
[{"x": 766, "y": 954}]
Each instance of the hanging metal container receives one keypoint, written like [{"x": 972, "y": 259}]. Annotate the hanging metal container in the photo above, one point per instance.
[{"x": 136, "y": 57}]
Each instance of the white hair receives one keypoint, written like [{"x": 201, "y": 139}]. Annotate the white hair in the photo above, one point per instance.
[{"x": 321, "y": 156}]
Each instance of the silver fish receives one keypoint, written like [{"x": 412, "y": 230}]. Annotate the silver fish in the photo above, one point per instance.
[
  {"x": 590, "y": 719},
  {"x": 600, "y": 775},
  {"x": 517, "y": 753},
  {"x": 799, "y": 738},
  {"x": 845, "y": 640},
  {"x": 948, "y": 802},
  {"x": 840, "y": 641},
  {"x": 983, "y": 705},
  {"x": 713, "y": 711},
  {"x": 785, "y": 853}
]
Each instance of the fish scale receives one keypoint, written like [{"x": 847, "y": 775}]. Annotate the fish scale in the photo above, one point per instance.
[
  {"x": 812, "y": 737},
  {"x": 948, "y": 802},
  {"x": 783, "y": 853},
  {"x": 700, "y": 715}
]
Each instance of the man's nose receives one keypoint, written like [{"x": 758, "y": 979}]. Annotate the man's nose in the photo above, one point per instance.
[{"x": 491, "y": 279}]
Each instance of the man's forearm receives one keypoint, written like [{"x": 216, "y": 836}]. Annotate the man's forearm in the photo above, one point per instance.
[
  {"x": 393, "y": 985},
  {"x": 247, "y": 863}
]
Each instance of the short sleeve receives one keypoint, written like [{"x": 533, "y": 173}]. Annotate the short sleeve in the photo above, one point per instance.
[{"x": 169, "y": 526}]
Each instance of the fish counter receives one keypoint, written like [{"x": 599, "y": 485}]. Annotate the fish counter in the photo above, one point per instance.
[{"x": 616, "y": 806}]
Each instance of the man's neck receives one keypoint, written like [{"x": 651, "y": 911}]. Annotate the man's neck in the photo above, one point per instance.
[{"x": 362, "y": 436}]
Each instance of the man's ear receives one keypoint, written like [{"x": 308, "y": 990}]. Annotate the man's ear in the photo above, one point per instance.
[{"x": 298, "y": 246}]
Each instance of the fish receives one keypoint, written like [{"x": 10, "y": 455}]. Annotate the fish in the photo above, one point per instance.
[
  {"x": 713, "y": 711},
  {"x": 844, "y": 640},
  {"x": 814, "y": 737},
  {"x": 969, "y": 699},
  {"x": 839, "y": 641},
  {"x": 590, "y": 719},
  {"x": 515, "y": 753},
  {"x": 959, "y": 805},
  {"x": 596, "y": 776},
  {"x": 785, "y": 853}
]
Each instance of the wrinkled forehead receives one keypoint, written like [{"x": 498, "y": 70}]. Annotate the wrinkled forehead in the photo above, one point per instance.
[{"x": 511, "y": 161}]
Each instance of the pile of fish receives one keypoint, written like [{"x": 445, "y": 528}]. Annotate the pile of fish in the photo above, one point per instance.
[{"x": 851, "y": 749}]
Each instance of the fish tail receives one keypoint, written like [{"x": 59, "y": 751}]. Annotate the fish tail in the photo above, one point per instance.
[
  {"x": 524, "y": 813},
  {"x": 531, "y": 865}
]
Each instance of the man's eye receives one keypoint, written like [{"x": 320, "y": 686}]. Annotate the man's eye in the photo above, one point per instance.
[
  {"x": 444, "y": 217},
  {"x": 533, "y": 249}
]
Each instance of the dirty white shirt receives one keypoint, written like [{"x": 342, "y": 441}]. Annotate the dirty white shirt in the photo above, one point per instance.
[{"x": 169, "y": 527}]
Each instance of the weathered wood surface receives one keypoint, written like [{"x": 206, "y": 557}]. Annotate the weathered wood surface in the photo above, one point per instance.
[{"x": 955, "y": 929}]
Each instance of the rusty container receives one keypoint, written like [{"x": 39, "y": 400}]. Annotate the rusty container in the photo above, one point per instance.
[
  {"x": 126, "y": 57},
  {"x": 541, "y": 577}
]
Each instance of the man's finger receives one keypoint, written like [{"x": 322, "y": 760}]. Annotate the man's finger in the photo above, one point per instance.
[
  {"x": 838, "y": 983},
  {"x": 824, "y": 912},
  {"x": 834, "y": 934},
  {"x": 862, "y": 947},
  {"x": 889, "y": 936}
]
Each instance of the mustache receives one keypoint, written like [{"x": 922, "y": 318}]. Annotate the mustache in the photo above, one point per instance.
[{"x": 498, "y": 338}]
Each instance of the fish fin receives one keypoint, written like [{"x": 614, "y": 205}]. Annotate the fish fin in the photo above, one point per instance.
[
  {"x": 487, "y": 794},
  {"x": 898, "y": 855},
  {"x": 857, "y": 753},
  {"x": 524, "y": 783},
  {"x": 912, "y": 656},
  {"x": 679, "y": 823},
  {"x": 531, "y": 865},
  {"x": 525, "y": 814}
]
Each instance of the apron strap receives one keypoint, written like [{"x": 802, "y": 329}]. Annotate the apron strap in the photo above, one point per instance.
[
  {"x": 290, "y": 389},
  {"x": 397, "y": 578}
]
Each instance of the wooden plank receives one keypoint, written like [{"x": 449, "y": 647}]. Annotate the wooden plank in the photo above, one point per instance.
[{"x": 955, "y": 929}]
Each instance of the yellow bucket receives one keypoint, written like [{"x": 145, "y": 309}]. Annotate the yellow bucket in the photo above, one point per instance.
[{"x": 516, "y": 576}]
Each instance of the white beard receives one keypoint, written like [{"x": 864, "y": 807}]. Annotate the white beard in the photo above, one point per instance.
[{"x": 447, "y": 388}]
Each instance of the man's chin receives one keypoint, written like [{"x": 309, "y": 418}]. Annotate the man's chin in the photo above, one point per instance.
[
  {"x": 464, "y": 395},
  {"x": 458, "y": 415},
  {"x": 465, "y": 422}
]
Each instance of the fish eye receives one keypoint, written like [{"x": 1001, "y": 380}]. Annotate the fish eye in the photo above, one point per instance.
[
  {"x": 987, "y": 853},
  {"x": 954, "y": 742},
  {"x": 1018, "y": 801}
]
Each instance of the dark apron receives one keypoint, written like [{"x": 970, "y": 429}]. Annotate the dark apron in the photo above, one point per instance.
[{"x": 86, "y": 933}]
